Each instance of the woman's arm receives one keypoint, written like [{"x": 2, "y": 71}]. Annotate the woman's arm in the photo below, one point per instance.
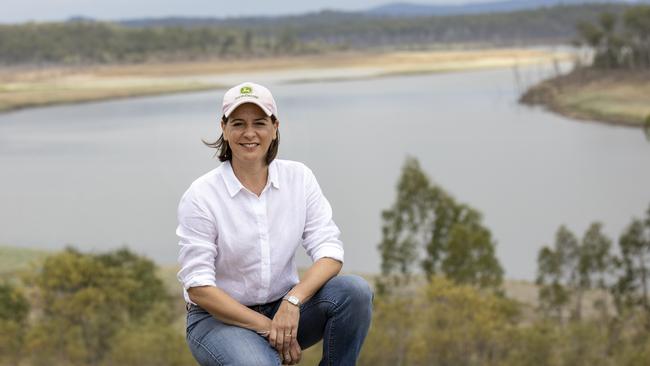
[
  {"x": 223, "y": 307},
  {"x": 315, "y": 277}
]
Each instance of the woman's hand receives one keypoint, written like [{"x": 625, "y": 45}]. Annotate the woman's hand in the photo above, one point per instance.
[
  {"x": 284, "y": 330},
  {"x": 295, "y": 354}
]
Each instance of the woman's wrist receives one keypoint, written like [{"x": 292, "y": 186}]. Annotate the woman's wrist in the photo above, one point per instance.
[
  {"x": 264, "y": 333},
  {"x": 264, "y": 326}
]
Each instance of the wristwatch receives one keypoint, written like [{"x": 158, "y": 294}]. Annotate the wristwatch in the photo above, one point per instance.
[{"x": 292, "y": 300}]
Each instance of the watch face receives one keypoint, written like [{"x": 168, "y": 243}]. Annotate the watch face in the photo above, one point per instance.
[{"x": 294, "y": 300}]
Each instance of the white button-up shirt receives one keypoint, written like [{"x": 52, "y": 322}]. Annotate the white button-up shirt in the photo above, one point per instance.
[{"x": 244, "y": 244}]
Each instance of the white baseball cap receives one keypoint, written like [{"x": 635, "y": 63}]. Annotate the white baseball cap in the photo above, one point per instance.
[{"x": 248, "y": 92}]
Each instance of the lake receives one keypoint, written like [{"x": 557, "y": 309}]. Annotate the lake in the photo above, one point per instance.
[{"x": 102, "y": 175}]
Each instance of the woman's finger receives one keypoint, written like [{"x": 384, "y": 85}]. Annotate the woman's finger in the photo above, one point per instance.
[
  {"x": 279, "y": 340},
  {"x": 294, "y": 334},
  {"x": 287, "y": 340},
  {"x": 295, "y": 352},
  {"x": 272, "y": 336}
]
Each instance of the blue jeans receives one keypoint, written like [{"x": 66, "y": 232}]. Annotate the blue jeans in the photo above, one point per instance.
[{"x": 339, "y": 314}]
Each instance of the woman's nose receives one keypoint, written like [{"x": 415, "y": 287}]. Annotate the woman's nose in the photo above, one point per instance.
[{"x": 249, "y": 131}]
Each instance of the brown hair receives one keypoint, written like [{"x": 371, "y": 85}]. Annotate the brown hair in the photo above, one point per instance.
[{"x": 225, "y": 154}]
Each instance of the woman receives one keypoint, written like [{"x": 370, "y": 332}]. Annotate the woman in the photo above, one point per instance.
[{"x": 239, "y": 227}]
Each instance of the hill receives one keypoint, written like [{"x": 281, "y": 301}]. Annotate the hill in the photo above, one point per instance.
[
  {"x": 183, "y": 39},
  {"x": 419, "y": 10}
]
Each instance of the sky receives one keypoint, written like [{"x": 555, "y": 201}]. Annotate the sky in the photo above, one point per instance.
[{"x": 18, "y": 11}]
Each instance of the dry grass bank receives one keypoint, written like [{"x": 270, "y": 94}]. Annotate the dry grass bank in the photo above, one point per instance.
[
  {"x": 23, "y": 87},
  {"x": 616, "y": 97}
]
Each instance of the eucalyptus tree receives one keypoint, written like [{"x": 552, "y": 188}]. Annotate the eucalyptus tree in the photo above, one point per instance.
[
  {"x": 425, "y": 230},
  {"x": 632, "y": 287},
  {"x": 572, "y": 267}
]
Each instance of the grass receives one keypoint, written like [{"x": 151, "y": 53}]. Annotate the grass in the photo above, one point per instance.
[
  {"x": 13, "y": 260},
  {"x": 24, "y": 87},
  {"x": 616, "y": 97},
  {"x": 24, "y": 95}
]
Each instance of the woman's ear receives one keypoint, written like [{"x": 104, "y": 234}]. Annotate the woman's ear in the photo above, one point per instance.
[{"x": 275, "y": 132}]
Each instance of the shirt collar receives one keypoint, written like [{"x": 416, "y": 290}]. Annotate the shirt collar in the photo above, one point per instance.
[
  {"x": 273, "y": 174},
  {"x": 234, "y": 185}
]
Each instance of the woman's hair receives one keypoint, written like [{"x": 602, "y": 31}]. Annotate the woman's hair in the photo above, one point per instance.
[{"x": 225, "y": 154}]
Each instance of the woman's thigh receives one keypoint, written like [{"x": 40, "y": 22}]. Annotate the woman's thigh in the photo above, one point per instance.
[{"x": 214, "y": 343}]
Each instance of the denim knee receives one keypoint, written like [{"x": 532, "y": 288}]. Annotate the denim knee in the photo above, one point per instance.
[
  {"x": 207, "y": 355},
  {"x": 356, "y": 289},
  {"x": 261, "y": 359}
]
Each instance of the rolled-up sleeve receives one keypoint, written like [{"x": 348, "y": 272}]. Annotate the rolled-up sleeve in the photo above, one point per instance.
[
  {"x": 198, "y": 237},
  {"x": 321, "y": 235}
]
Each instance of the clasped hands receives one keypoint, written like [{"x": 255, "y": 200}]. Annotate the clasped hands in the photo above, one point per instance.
[{"x": 283, "y": 335}]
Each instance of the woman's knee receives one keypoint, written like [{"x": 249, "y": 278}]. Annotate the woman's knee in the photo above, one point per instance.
[
  {"x": 232, "y": 346},
  {"x": 260, "y": 359},
  {"x": 355, "y": 288},
  {"x": 234, "y": 357}
]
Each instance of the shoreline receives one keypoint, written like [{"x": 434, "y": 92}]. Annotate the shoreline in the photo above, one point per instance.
[
  {"x": 23, "y": 87},
  {"x": 613, "y": 97}
]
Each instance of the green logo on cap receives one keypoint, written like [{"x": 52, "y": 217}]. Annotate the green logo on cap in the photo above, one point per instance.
[{"x": 245, "y": 90}]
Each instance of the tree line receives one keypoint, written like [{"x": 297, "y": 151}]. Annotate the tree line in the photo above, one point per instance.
[
  {"x": 83, "y": 42},
  {"x": 98, "y": 42},
  {"x": 457, "y": 317},
  {"x": 619, "y": 41},
  {"x": 574, "y": 266}
]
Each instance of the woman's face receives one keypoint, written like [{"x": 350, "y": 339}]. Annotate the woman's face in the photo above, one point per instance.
[{"x": 249, "y": 132}]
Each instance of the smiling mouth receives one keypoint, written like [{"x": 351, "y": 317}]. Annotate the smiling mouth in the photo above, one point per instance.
[{"x": 250, "y": 145}]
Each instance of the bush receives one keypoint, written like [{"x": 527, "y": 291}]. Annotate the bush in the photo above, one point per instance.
[{"x": 441, "y": 324}]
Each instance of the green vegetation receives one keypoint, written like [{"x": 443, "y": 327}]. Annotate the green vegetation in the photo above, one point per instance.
[
  {"x": 88, "y": 309},
  {"x": 572, "y": 267},
  {"x": 97, "y": 42},
  {"x": 616, "y": 87},
  {"x": 13, "y": 259},
  {"x": 442, "y": 322},
  {"x": 627, "y": 48},
  {"x": 426, "y": 218},
  {"x": 14, "y": 309}
]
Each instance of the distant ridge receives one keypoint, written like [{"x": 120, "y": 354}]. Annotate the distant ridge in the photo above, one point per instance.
[
  {"x": 390, "y": 10},
  {"x": 403, "y": 9},
  {"x": 83, "y": 41},
  {"x": 547, "y": 23}
]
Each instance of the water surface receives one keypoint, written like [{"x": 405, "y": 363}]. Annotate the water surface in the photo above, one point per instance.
[{"x": 102, "y": 175}]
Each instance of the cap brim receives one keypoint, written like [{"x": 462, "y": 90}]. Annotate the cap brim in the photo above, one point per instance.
[{"x": 244, "y": 101}]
